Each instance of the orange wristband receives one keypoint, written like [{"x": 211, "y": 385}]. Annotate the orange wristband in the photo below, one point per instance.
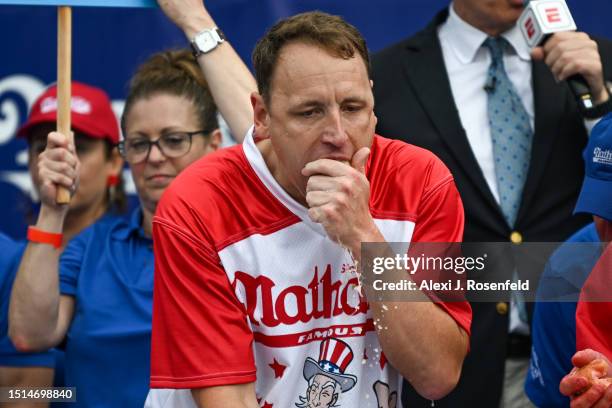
[{"x": 44, "y": 237}]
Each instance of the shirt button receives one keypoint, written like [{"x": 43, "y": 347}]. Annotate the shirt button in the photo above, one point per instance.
[
  {"x": 516, "y": 237},
  {"x": 502, "y": 308}
]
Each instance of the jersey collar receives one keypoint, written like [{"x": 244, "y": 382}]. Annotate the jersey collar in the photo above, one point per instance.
[{"x": 258, "y": 164}]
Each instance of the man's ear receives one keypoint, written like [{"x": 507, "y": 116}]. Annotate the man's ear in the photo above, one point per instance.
[
  {"x": 215, "y": 140},
  {"x": 333, "y": 400},
  {"x": 261, "y": 116}
]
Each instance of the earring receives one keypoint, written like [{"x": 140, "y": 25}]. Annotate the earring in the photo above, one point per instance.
[{"x": 112, "y": 180}]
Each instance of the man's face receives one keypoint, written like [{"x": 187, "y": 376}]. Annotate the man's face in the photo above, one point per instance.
[
  {"x": 320, "y": 106},
  {"x": 491, "y": 16},
  {"x": 321, "y": 393}
]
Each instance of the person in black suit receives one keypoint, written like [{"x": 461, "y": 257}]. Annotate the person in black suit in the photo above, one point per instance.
[{"x": 430, "y": 90}]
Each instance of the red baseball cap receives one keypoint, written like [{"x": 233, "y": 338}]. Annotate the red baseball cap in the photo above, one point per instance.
[{"x": 91, "y": 112}]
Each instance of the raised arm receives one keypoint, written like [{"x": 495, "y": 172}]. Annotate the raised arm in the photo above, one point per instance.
[
  {"x": 230, "y": 81},
  {"x": 38, "y": 316}
]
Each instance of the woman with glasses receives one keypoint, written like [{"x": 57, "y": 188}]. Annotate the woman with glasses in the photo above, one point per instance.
[{"x": 101, "y": 305}]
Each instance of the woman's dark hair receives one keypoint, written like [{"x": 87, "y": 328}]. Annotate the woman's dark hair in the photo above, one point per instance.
[{"x": 176, "y": 73}]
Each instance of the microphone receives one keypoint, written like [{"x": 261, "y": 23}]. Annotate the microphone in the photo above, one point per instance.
[
  {"x": 541, "y": 19},
  {"x": 490, "y": 84}
]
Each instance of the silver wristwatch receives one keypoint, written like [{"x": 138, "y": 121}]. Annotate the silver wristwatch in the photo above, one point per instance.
[{"x": 206, "y": 41}]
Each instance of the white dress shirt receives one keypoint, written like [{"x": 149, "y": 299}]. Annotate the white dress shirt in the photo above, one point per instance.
[{"x": 467, "y": 63}]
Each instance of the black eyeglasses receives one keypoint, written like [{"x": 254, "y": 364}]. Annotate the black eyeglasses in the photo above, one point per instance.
[{"x": 172, "y": 145}]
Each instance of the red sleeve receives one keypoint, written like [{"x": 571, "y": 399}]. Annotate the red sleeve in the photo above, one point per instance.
[
  {"x": 594, "y": 309},
  {"x": 440, "y": 219},
  {"x": 200, "y": 333}
]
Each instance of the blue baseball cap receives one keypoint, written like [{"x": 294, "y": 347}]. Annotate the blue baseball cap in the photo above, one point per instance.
[{"x": 596, "y": 194}]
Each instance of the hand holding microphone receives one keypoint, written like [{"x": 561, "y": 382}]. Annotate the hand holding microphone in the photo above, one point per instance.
[
  {"x": 574, "y": 53},
  {"x": 548, "y": 27}
]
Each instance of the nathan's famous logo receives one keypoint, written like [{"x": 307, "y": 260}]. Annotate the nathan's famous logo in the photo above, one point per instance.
[
  {"x": 321, "y": 298},
  {"x": 78, "y": 104},
  {"x": 602, "y": 156}
]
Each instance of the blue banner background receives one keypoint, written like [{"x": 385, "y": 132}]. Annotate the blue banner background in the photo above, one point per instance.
[{"x": 108, "y": 44}]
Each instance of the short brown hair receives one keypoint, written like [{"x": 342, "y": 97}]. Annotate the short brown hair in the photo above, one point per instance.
[
  {"x": 176, "y": 73},
  {"x": 329, "y": 32}
]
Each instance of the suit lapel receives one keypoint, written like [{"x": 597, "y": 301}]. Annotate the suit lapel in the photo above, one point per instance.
[
  {"x": 426, "y": 73},
  {"x": 549, "y": 99}
]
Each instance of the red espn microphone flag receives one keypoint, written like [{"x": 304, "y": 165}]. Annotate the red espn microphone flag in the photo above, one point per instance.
[
  {"x": 542, "y": 18},
  {"x": 64, "y": 56}
]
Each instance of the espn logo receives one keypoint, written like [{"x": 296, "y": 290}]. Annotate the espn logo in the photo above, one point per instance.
[
  {"x": 543, "y": 17},
  {"x": 554, "y": 15},
  {"x": 530, "y": 28}
]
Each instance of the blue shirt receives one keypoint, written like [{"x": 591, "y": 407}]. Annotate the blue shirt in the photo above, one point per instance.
[
  {"x": 554, "y": 323},
  {"x": 108, "y": 268},
  {"x": 11, "y": 253}
]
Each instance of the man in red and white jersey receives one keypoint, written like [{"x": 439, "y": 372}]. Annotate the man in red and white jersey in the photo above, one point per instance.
[{"x": 256, "y": 303}]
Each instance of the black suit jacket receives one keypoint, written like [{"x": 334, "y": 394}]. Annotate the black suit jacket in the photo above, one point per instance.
[{"x": 414, "y": 103}]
